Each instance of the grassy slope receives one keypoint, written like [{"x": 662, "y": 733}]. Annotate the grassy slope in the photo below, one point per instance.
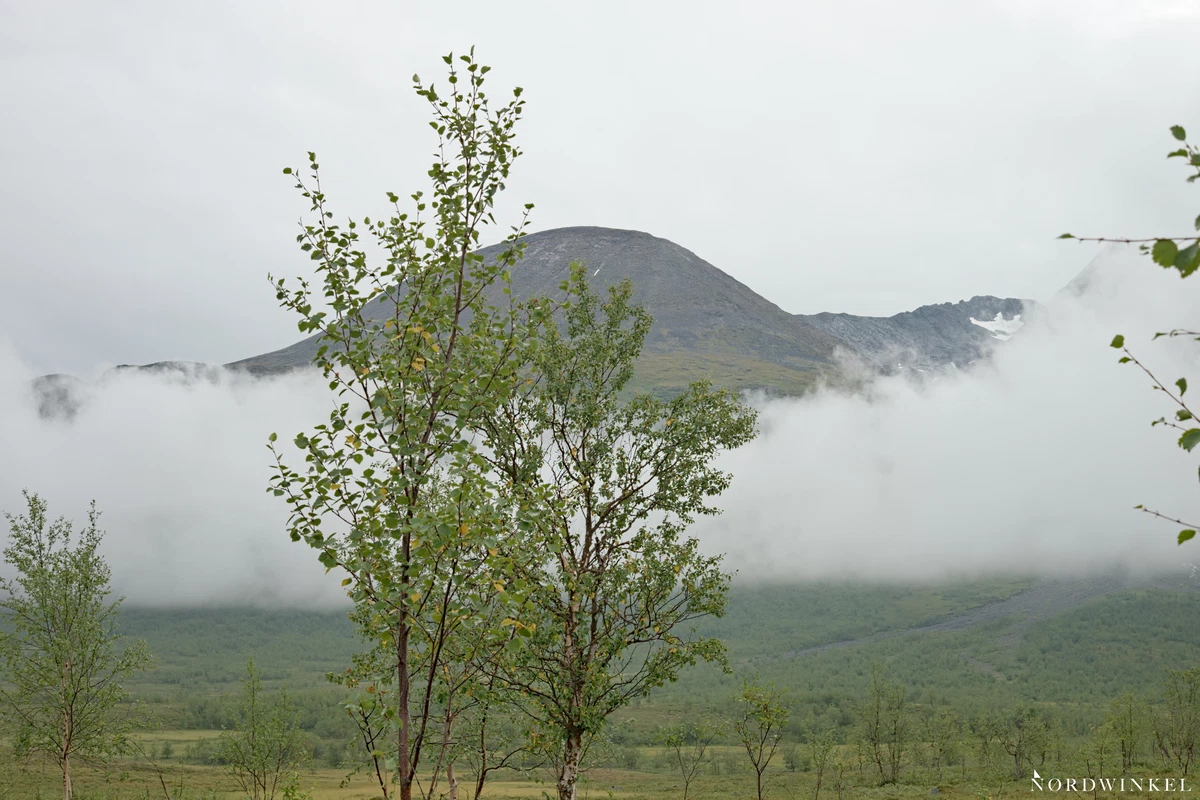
[{"x": 668, "y": 374}]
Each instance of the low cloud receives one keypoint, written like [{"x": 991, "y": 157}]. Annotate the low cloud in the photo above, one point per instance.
[
  {"x": 1028, "y": 463},
  {"x": 179, "y": 469}
]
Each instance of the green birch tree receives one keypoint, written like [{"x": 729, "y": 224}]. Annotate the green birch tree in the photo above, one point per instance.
[
  {"x": 265, "y": 747},
  {"x": 60, "y": 664},
  {"x": 616, "y": 581},
  {"x": 393, "y": 492}
]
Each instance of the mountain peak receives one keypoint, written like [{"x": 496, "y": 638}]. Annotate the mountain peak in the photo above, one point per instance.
[{"x": 709, "y": 325}]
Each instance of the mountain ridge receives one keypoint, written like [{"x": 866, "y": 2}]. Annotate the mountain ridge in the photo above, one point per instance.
[
  {"x": 707, "y": 324},
  {"x": 707, "y": 321}
]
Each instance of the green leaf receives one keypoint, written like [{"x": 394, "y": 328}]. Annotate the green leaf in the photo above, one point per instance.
[
  {"x": 1178, "y": 132},
  {"x": 272, "y": 438},
  {"x": 1198, "y": 223},
  {"x": 1190, "y": 439},
  {"x": 1185, "y": 535},
  {"x": 1182, "y": 384},
  {"x": 1188, "y": 259},
  {"x": 1067, "y": 236},
  {"x": 1118, "y": 341},
  {"x": 1164, "y": 252},
  {"x": 1180, "y": 153}
]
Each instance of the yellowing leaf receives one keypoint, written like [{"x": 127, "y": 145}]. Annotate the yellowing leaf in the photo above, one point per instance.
[
  {"x": 346, "y": 582},
  {"x": 463, "y": 529},
  {"x": 507, "y": 621},
  {"x": 418, "y": 363}
]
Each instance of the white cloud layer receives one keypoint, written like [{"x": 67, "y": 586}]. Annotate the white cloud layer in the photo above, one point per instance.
[{"x": 1030, "y": 463}]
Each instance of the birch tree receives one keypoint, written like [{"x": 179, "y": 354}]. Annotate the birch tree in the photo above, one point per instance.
[
  {"x": 617, "y": 583},
  {"x": 61, "y": 665},
  {"x": 416, "y": 354}
]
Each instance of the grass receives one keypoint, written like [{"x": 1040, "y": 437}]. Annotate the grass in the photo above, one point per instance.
[{"x": 730, "y": 779}]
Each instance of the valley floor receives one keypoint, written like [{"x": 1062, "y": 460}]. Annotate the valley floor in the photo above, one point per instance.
[{"x": 170, "y": 781}]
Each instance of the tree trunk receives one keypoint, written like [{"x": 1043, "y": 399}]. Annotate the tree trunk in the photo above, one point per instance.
[
  {"x": 403, "y": 767},
  {"x": 483, "y": 760},
  {"x": 452, "y": 782},
  {"x": 66, "y": 751},
  {"x": 568, "y": 774}
]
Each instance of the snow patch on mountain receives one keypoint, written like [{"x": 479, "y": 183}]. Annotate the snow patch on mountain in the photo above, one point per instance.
[{"x": 1000, "y": 328}]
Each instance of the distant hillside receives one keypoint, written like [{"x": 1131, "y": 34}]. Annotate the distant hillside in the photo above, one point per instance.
[
  {"x": 1075, "y": 641},
  {"x": 707, "y": 324}
]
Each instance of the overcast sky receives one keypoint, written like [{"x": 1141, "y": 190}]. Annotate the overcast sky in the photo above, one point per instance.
[{"x": 847, "y": 155}]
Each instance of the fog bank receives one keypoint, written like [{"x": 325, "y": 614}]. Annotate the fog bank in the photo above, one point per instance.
[{"x": 1029, "y": 463}]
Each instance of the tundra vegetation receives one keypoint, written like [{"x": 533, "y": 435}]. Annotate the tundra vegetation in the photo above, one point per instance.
[{"x": 529, "y": 614}]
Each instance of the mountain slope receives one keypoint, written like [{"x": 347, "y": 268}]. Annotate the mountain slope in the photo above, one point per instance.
[{"x": 707, "y": 324}]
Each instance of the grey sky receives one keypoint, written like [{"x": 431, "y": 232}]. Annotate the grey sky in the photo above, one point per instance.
[{"x": 849, "y": 156}]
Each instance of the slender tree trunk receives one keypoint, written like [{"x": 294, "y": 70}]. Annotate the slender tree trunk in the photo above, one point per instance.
[
  {"x": 483, "y": 759},
  {"x": 402, "y": 762},
  {"x": 452, "y": 782},
  {"x": 568, "y": 774},
  {"x": 67, "y": 743},
  {"x": 403, "y": 768}
]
